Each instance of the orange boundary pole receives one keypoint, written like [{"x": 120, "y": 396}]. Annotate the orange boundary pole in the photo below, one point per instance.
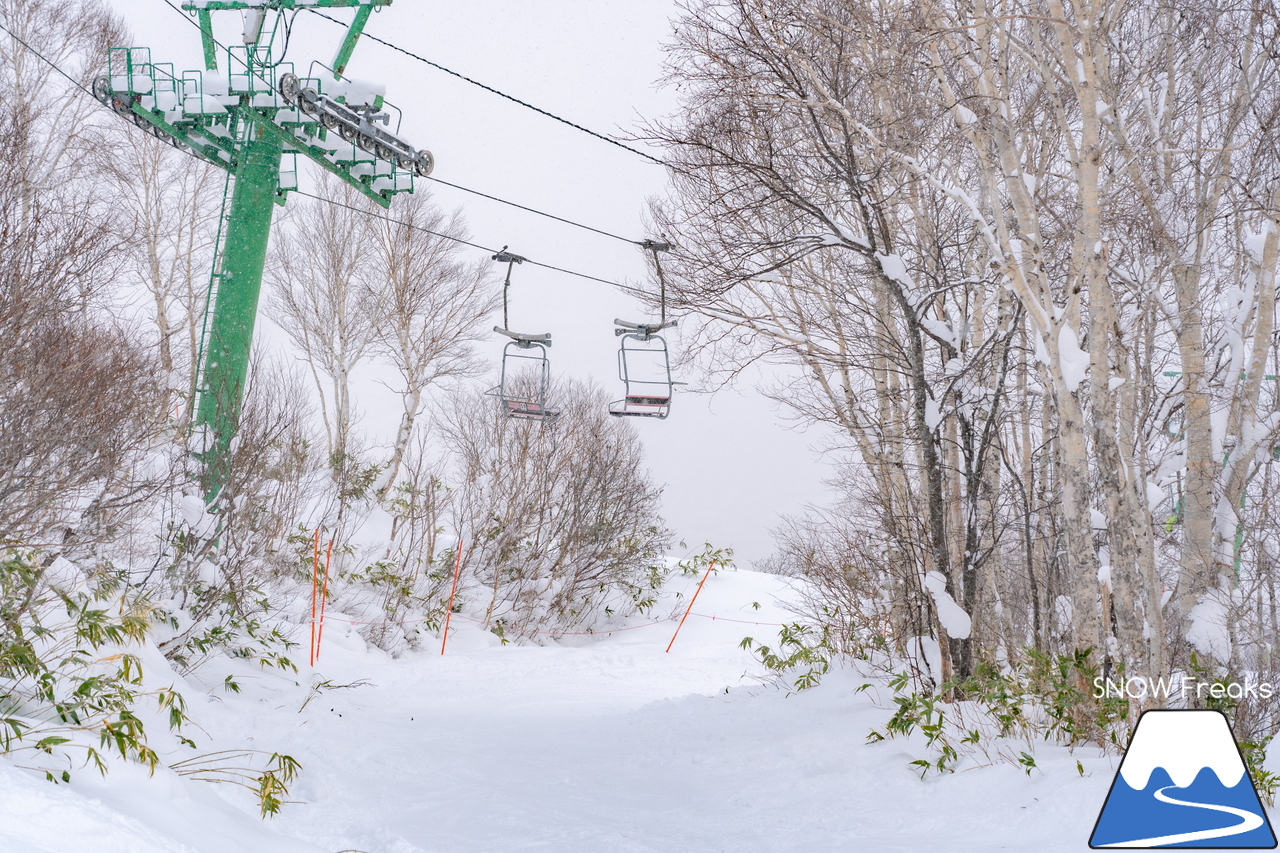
[
  {"x": 444, "y": 635},
  {"x": 315, "y": 579},
  {"x": 324, "y": 597},
  {"x": 710, "y": 566}
]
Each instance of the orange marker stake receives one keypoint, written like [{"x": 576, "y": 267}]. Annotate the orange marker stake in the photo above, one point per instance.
[
  {"x": 315, "y": 572},
  {"x": 444, "y": 638},
  {"x": 710, "y": 566},
  {"x": 324, "y": 597}
]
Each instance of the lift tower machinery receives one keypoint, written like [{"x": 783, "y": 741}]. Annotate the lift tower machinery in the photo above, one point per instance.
[{"x": 252, "y": 114}]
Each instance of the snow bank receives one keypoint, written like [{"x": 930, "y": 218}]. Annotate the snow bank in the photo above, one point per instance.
[
  {"x": 127, "y": 811},
  {"x": 580, "y": 745}
]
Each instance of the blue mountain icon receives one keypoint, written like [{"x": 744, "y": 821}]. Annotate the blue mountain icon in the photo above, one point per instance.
[{"x": 1182, "y": 783}]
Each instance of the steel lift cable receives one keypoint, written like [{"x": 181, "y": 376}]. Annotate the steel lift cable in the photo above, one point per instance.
[
  {"x": 498, "y": 199},
  {"x": 47, "y": 61},
  {"x": 455, "y": 186},
  {"x": 627, "y": 288},
  {"x": 646, "y": 244},
  {"x": 500, "y": 94},
  {"x": 485, "y": 195},
  {"x": 538, "y": 212}
]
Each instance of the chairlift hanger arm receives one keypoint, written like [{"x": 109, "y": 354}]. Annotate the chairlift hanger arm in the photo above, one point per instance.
[
  {"x": 656, "y": 246},
  {"x": 510, "y": 259}
]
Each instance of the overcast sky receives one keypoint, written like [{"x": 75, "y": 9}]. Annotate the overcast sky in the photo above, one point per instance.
[{"x": 729, "y": 467}]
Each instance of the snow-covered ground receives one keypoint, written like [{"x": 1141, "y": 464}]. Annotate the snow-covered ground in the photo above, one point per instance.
[{"x": 593, "y": 744}]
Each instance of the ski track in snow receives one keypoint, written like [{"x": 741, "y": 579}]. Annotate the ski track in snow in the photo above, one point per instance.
[
  {"x": 608, "y": 745},
  {"x": 1249, "y": 822},
  {"x": 600, "y": 744}
]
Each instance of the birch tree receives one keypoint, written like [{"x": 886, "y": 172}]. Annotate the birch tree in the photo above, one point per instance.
[
  {"x": 320, "y": 273},
  {"x": 170, "y": 203},
  {"x": 1034, "y": 243},
  {"x": 427, "y": 304}
]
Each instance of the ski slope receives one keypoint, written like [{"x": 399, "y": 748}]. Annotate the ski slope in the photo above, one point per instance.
[{"x": 583, "y": 745}]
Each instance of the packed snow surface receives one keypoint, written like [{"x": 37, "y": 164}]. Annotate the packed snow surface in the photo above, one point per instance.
[{"x": 587, "y": 744}]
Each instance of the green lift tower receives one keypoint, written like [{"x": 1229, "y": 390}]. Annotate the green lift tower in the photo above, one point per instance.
[{"x": 252, "y": 115}]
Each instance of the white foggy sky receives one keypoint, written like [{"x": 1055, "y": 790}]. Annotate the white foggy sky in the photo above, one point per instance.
[{"x": 729, "y": 467}]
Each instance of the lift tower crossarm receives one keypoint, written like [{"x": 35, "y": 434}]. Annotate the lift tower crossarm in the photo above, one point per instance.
[
  {"x": 245, "y": 118},
  {"x": 274, "y": 5},
  {"x": 340, "y": 60}
]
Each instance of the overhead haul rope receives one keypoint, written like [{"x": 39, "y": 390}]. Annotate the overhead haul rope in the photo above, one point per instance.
[
  {"x": 538, "y": 212},
  {"x": 533, "y": 210},
  {"x": 411, "y": 226},
  {"x": 47, "y": 61},
  {"x": 525, "y": 104},
  {"x": 637, "y": 291}
]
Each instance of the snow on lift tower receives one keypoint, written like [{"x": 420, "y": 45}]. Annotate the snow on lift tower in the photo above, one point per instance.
[
  {"x": 645, "y": 366},
  {"x": 522, "y": 393},
  {"x": 250, "y": 113}
]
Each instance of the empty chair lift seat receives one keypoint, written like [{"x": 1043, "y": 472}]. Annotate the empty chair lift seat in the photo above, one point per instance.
[
  {"x": 646, "y": 395},
  {"x": 524, "y": 395}
]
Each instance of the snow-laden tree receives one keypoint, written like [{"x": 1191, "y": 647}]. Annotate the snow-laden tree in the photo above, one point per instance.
[{"x": 1023, "y": 254}]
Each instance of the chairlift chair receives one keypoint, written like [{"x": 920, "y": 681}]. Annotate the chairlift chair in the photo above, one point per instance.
[
  {"x": 519, "y": 395},
  {"x": 647, "y": 396}
]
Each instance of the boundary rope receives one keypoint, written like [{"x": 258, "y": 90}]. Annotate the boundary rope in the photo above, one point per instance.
[{"x": 602, "y": 632}]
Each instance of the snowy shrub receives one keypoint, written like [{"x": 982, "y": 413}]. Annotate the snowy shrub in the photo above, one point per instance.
[
  {"x": 267, "y": 775},
  {"x": 66, "y": 680},
  {"x": 802, "y": 649},
  {"x": 229, "y": 569},
  {"x": 560, "y": 521},
  {"x": 862, "y": 586},
  {"x": 998, "y": 715},
  {"x": 402, "y": 583},
  {"x": 79, "y": 394}
]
